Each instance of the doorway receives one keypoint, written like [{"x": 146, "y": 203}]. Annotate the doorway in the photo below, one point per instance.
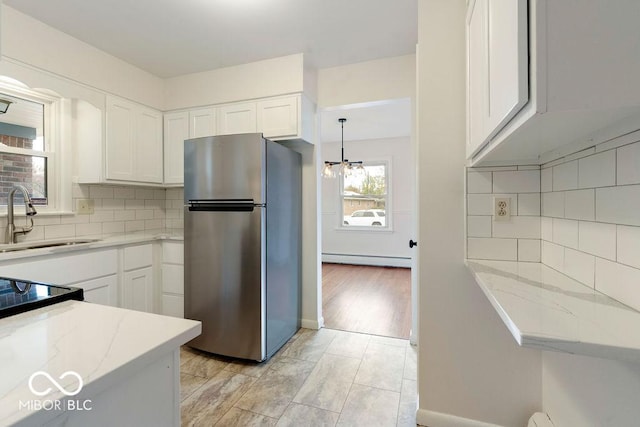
[{"x": 366, "y": 262}]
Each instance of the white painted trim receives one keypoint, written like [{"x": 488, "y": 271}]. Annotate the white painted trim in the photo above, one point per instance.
[
  {"x": 425, "y": 417},
  {"x": 379, "y": 261},
  {"x": 312, "y": 324}
]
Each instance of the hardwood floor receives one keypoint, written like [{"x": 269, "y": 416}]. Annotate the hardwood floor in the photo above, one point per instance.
[{"x": 370, "y": 300}]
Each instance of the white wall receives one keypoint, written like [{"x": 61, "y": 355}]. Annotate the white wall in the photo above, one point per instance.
[
  {"x": 382, "y": 79},
  {"x": 391, "y": 243},
  {"x": 469, "y": 366},
  {"x": 270, "y": 77},
  {"x": 28, "y": 42}
]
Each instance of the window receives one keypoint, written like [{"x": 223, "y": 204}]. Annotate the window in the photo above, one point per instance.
[
  {"x": 28, "y": 154},
  {"x": 365, "y": 197},
  {"x": 23, "y": 159}
]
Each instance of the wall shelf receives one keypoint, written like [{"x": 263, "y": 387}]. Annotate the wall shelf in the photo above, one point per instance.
[{"x": 547, "y": 310}]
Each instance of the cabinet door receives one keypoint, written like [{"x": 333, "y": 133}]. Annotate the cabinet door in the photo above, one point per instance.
[
  {"x": 237, "y": 118},
  {"x": 278, "y": 118},
  {"x": 508, "y": 61},
  {"x": 148, "y": 145},
  {"x": 137, "y": 292},
  {"x": 120, "y": 140},
  {"x": 103, "y": 290},
  {"x": 202, "y": 122},
  {"x": 497, "y": 67},
  {"x": 176, "y": 130}
]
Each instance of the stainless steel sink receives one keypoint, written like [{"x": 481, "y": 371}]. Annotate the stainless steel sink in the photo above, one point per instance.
[{"x": 44, "y": 244}]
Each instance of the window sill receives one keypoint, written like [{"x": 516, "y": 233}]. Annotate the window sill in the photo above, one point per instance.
[{"x": 3, "y": 213}]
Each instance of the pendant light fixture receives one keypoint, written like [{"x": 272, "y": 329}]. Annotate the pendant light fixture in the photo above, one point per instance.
[{"x": 343, "y": 167}]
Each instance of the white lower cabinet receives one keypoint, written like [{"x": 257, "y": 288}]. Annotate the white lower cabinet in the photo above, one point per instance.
[
  {"x": 173, "y": 279},
  {"x": 137, "y": 289},
  {"x": 137, "y": 278},
  {"x": 95, "y": 271}
]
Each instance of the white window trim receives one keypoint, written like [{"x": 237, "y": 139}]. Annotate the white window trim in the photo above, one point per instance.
[
  {"x": 57, "y": 131},
  {"x": 388, "y": 228}
]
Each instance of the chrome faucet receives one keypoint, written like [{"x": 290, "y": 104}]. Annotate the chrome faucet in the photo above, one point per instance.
[{"x": 30, "y": 211}]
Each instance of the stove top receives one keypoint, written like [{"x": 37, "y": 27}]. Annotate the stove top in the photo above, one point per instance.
[{"x": 18, "y": 296}]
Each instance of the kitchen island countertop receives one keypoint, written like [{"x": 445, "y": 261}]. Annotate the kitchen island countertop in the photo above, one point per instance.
[{"x": 105, "y": 345}]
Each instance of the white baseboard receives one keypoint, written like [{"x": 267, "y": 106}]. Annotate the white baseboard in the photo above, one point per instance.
[
  {"x": 379, "y": 261},
  {"x": 439, "y": 419},
  {"x": 312, "y": 324}
]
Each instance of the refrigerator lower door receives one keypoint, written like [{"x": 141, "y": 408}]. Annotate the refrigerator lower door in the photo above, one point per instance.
[{"x": 224, "y": 281}]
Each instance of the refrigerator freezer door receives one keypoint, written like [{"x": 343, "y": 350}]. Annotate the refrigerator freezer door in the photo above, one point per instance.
[
  {"x": 224, "y": 277},
  {"x": 225, "y": 168}
]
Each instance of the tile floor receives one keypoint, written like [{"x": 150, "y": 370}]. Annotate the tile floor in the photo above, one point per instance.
[{"x": 319, "y": 378}]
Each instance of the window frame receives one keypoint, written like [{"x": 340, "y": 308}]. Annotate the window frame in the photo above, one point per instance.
[
  {"x": 58, "y": 169},
  {"x": 388, "y": 227}
]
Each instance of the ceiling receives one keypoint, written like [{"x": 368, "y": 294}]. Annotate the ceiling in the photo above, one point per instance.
[{"x": 175, "y": 37}]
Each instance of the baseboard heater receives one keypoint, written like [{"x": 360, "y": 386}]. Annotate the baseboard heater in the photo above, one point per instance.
[{"x": 375, "y": 260}]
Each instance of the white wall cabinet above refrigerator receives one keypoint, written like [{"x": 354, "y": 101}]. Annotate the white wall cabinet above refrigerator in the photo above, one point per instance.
[
  {"x": 548, "y": 78},
  {"x": 278, "y": 118}
]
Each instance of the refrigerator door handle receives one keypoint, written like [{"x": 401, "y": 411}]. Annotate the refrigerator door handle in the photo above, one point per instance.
[{"x": 221, "y": 205}]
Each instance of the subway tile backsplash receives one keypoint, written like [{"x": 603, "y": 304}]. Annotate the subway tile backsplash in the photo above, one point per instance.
[
  {"x": 581, "y": 217},
  {"x": 516, "y": 239},
  {"x": 117, "y": 210}
]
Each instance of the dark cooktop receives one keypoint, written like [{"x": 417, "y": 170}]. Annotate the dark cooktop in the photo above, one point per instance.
[{"x": 18, "y": 296}]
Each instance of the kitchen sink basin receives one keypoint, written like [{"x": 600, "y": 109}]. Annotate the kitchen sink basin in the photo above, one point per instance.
[{"x": 44, "y": 244}]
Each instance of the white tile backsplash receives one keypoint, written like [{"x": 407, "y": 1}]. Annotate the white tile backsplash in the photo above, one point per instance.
[
  {"x": 565, "y": 232},
  {"x": 580, "y": 204},
  {"x": 598, "y": 170},
  {"x": 527, "y": 227},
  {"x": 553, "y": 204},
  {"x": 479, "y": 226},
  {"x": 479, "y": 182},
  {"x": 495, "y": 249},
  {"x": 579, "y": 266},
  {"x": 618, "y": 205},
  {"x": 546, "y": 228},
  {"x": 529, "y": 204},
  {"x": 546, "y": 180},
  {"x": 529, "y": 250},
  {"x": 628, "y": 167},
  {"x": 565, "y": 176},
  {"x": 618, "y": 281},
  {"x": 597, "y": 239},
  {"x": 527, "y": 181},
  {"x": 628, "y": 245},
  {"x": 482, "y": 204},
  {"x": 552, "y": 255},
  {"x": 118, "y": 210}
]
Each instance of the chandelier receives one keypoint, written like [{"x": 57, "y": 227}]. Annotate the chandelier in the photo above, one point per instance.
[{"x": 343, "y": 167}]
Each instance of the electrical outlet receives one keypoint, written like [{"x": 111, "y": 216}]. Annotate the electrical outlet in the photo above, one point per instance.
[
  {"x": 84, "y": 206},
  {"x": 501, "y": 209}
]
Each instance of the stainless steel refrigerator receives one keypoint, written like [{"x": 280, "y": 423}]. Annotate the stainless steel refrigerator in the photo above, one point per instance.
[{"x": 242, "y": 231}]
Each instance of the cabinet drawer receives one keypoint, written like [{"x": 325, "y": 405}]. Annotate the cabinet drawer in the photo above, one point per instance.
[
  {"x": 138, "y": 257},
  {"x": 173, "y": 279},
  {"x": 66, "y": 269},
  {"x": 173, "y": 252}
]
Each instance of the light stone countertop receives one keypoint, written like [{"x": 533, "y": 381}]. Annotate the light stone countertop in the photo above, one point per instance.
[
  {"x": 105, "y": 345},
  {"x": 105, "y": 242},
  {"x": 547, "y": 310}
]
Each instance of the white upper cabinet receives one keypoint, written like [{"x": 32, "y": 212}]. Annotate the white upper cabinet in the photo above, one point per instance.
[
  {"x": 237, "y": 118},
  {"x": 279, "y": 118},
  {"x": 498, "y": 66},
  {"x": 548, "y": 78},
  {"x": 202, "y": 122},
  {"x": 176, "y": 130},
  {"x": 133, "y": 142}
]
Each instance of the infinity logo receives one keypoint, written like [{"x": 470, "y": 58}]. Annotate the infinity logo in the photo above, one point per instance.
[{"x": 55, "y": 383}]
